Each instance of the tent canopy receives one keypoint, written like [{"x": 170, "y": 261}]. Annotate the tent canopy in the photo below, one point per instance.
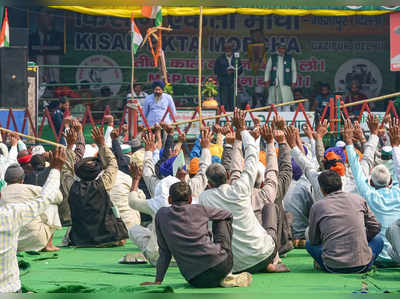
[{"x": 125, "y": 11}]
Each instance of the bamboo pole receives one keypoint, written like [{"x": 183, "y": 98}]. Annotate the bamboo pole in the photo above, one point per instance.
[
  {"x": 200, "y": 64},
  {"x": 33, "y": 138},
  {"x": 133, "y": 65},
  {"x": 392, "y": 95},
  {"x": 231, "y": 113}
]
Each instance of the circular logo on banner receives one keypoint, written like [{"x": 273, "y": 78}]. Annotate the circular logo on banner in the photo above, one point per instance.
[
  {"x": 361, "y": 71},
  {"x": 105, "y": 80}
]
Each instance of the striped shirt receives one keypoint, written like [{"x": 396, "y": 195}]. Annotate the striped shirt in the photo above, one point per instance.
[{"x": 12, "y": 218}]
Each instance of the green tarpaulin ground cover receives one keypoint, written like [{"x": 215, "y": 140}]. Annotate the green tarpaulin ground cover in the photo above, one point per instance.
[{"x": 81, "y": 270}]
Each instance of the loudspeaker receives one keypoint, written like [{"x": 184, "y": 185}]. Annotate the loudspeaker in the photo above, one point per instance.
[{"x": 13, "y": 77}]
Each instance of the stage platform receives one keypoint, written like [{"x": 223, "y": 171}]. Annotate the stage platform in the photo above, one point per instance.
[{"x": 79, "y": 270}]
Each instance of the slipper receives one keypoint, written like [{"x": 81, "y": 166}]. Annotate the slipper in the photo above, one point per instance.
[{"x": 130, "y": 258}]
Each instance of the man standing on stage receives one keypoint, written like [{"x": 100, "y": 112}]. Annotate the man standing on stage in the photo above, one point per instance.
[
  {"x": 280, "y": 77},
  {"x": 157, "y": 104},
  {"x": 225, "y": 71}
]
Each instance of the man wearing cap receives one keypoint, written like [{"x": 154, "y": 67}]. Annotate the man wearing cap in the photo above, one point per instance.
[
  {"x": 157, "y": 104},
  {"x": 225, "y": 70},
  {"x": 280, "y": 77}
]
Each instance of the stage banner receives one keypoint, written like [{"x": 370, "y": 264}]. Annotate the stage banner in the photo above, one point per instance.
[
  {"x": 336, "y": 50},
  {"x": 395, "y": 42}
]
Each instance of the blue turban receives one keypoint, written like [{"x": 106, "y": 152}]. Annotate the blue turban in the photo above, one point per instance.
[
  {"x": 338, "y": 151},
  {"x": 297, "y": 172},
  {"x": 158, "y": 83},
  {"x": 166, "y": 168}
]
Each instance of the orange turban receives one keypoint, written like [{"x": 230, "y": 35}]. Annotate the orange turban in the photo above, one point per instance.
[
  {"x": 194, "y": 166},
  {"x": 339, "y": 167},
  {"x": 357, "y": 152}
]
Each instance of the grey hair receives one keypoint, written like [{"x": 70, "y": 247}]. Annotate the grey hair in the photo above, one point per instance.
[
  {"x": 14, "y": 174},
  {"x": 380, "y": 176},
  {"x": 216, "y": 174}
]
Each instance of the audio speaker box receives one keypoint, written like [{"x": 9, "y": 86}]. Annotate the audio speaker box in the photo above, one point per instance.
[{"x": 13, "y": 77}]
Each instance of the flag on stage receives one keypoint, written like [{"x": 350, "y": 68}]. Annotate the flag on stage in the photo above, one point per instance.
[
  {"x": 5, "y": 32},
  {"x": 136, "y": 36},
  {"x": 153, "y": 12}
]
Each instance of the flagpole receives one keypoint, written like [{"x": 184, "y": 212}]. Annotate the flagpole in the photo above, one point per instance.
[{"x": 200, "y": 64}]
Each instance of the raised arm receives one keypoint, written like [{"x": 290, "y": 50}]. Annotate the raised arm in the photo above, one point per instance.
[
  {"x": 199, "y": 182},
  {"x": 365, "y": 190},
  {"x": 107, "y": 157},
  {"x": 367, "y": 162},
  {"x": 394, "y": 135},
  {"x": 28, "y": 211},
  {"x": 80, "y": 141},
  {"x": 308, "y": 168},
  {"x": 269, "y": 190},
  {"x": 149, "y": 174},
  {"x": 245, "y": 184}
]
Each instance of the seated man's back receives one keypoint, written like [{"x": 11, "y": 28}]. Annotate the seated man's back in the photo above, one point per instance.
[
  {"x": 35, "y": 235},
  {"x": 185, "y": 231},
  {"x": 343, "y": 230}
]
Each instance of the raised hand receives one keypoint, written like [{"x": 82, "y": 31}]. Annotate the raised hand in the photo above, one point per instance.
[
  {"x": 308, "y": 131},
  {"x": 323, "y": 129},
  {"x": 206, "y": 137},
  {"x": 239, "y": 117},
  {"x": 71, "y": 136},
  {"x": 278, "y": 122},
  {"x": 168, "y": 129},
  {"x": 114, "y": 134},
  {"x": 182, "y": 138},
  {"x": 98, "y": 136},
  {"x": 358, "y": 133},
  {"x": 255, "y": 132},
  {"x": 136, "y": 172},
  {"x": 394, "y": 133},
  {"x": 267, "y": 133},
  {"x": 77, "y": 126},
  {"x": 230, "y": 137},
  {"x": 279, "y": 136},
  {"x": 291, "y": 136},
  {"x": 373, "y": 124},
  {"x": 57, "y": 158},
  {"x": 149, "y": 142},
  {"x": 348, "y": 132}
]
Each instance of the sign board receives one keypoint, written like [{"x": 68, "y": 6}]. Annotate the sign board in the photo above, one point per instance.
[{"x": 395, "y": 41}]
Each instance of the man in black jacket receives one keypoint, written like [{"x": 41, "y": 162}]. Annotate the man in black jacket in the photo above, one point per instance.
[{"x": 225, "y": 70}]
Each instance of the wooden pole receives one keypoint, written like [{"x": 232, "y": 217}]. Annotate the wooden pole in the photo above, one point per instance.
[
  {"x": 33, "y": 138},
  {"x": 231, "y": 113},
  {"x": 200, "y": 64},
  {"x": 392, "y": 95}
]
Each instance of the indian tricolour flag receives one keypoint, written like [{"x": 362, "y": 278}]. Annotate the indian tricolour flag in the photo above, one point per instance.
[
  {"x": 153, "y": 12},
  {"x": 136, "y": 36},
  {"x": 5, "y": 32}
]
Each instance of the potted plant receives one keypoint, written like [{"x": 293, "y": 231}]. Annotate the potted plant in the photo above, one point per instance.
[
  {"x": 210, "y": 91},
  {"x": 168, "y": 89}
]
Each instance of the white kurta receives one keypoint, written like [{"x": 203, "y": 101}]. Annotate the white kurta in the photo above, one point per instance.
[
  {"x": 119, "y": 195},
  {"x": 280, "y": 93},
  {"x": 35, "y": 235}
]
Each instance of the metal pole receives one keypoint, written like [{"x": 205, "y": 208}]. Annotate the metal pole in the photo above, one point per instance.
[
  {"x": 200, "y": 64},
  {"x": 37, "y": 100}
]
